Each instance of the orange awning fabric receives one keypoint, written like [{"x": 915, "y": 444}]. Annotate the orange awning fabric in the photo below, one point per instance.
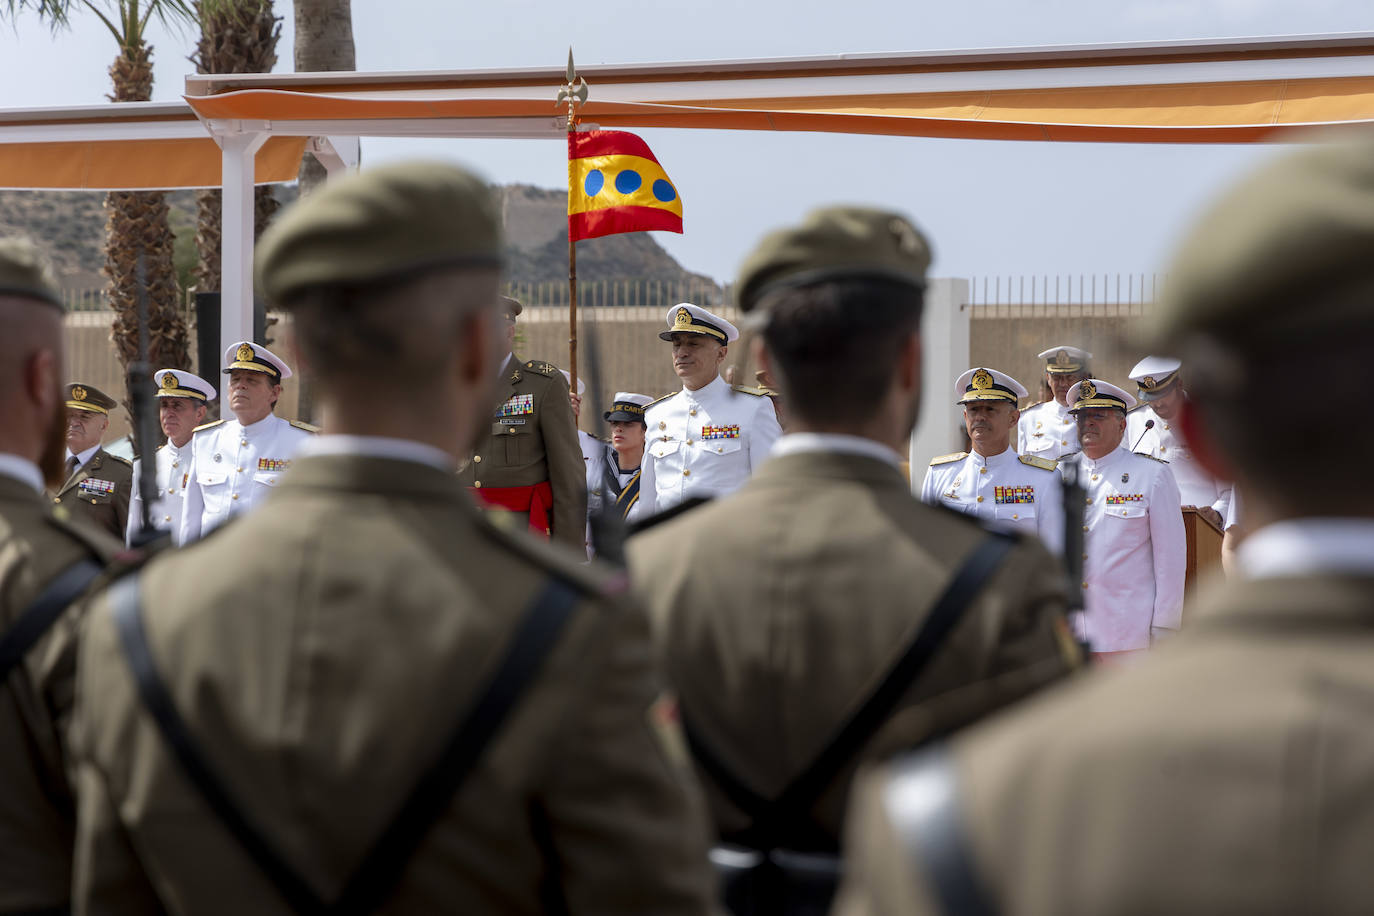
[{"x": 132, "y": 165}]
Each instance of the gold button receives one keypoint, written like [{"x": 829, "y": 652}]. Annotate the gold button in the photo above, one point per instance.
[
  {"x": 1085, "y": 527},
  {"x": 166, "y": 518},
  {"x": 686, "y": 472},
  {"x": 57, "y": 499},
  {"x": 176, "y": 464},
  {"x": 477, "y": 458},
  {"x": 171, "y": 491},
  {"x": 721, "y": 450},
  {"x": 692, "y": 412},
  {"x": 92, "y": 501},
  {"x": 662, "y": 425},
  {"x": 980, "y": 499},
  {"x": 689, "y": 441},
  {"x": 477, "y": 483},
  {"x": 1094, "y": 477},
  {"x": 243, "y": 442},
  {"x": 1014, "y": 516},
  {"x": 1089, "y": 500},
  {"x": 236, "y": 496},
  {"x": 1085, "y": 556},
  {"x": 1064, "y": 442},
  {"x": 1085, "y": 585},
  {"x": 982, "y": 470},
  {"x": 239, "y": 470},
  {"x": 1164, "y": 448}
]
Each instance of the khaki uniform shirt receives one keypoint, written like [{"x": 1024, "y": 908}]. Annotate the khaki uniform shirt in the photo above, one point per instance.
[
  {"x": 99, "y": 492},
  {"x": 37, "y": 812},
  {"x": 1227, "y": 773},
  {"x": 778, "y": 609},
  {"x": 533, "y": 439},
  {"x": 321, "y": 650}
]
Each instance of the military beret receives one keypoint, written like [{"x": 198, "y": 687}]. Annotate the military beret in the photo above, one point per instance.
[
  {"x": 1288, "y": 247},
  {"x": 24, "y": 272},
  {"x": 835, "y": 243},
  {"x": 381, "y": 224}
]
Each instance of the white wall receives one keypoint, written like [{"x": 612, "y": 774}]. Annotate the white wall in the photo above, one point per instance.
[{"x": 945, "y": 340}]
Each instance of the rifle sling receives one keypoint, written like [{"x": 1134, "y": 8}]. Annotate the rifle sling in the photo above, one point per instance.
[{"x": 43, "y": 612}]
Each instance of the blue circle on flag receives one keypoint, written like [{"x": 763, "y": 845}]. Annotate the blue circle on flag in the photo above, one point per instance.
[
  {"x": 628, "y": 181},
  {"x": 594, "y": 182},
  {"x": 664, "y": 191}
]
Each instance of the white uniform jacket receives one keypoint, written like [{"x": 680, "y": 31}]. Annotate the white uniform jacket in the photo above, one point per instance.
[
  {"x": 173, "y": 471},
  {"x": 1046, "y": 430},
  {"x": 233, "y": 467},
  {"x": 1009, "y": 491},
  {"x": 1135, "y": 551},
  {"x": 1195, "y": 486},
  {"x": 703, "y": 443}
]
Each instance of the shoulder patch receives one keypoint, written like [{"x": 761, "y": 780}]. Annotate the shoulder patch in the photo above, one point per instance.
[
  {"x": 305, "y": 426},
  {"x": 756, "y": 392},
  {"x": 541, "y": 367},
  {"x": 1151, "y": 457},
  {"x": 211, "y": 425},
  {"x": 1038, "y": 462},
  {"x": 946, "y": 459}
]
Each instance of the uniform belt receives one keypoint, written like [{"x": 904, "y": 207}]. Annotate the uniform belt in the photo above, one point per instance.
[{"x": 536, "y": 499}]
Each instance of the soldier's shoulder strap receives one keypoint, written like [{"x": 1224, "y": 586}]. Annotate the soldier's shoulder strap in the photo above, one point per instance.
[
  {"x": 1035, "y": 461},
  {"x": 946, "y": 459},
  {"x": 539, "y": 367},
  {"x": 43, "y": 612},
  {"x": 1151, "y": 457},
  {"x": 211, "y": 425},
  {"x": 748, "y": 389},
  {"x": 305, "y": 426},
  {"x": 660, "y": 400},
  {"x": 122, "y": 460},
  {"x": 1033, "y": 406},
  {"x": 374, "y": 879}
]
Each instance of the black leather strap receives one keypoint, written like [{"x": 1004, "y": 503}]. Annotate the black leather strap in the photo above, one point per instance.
[
  {"x": 782, "y": 815},
  {"x": 383, "y": 865},
  {"x": 922, "y": 802},
  {"x": 43, "y": 612}
]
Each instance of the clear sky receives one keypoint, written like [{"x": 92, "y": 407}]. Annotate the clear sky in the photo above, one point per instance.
[{"x": 990, "y": 207}]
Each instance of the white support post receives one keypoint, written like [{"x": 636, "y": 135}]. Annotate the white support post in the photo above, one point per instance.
[
  {"x": 944, "y": 357},
  {"x": 338, "y": 155},
  {"x": 238, "y": 152}
]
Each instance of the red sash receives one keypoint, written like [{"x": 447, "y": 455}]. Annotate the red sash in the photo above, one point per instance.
[{"x": 537, "y": 500}]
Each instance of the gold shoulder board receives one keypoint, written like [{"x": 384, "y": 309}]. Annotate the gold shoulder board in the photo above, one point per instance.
[
  {"x": 305, "y": 426},
  {"x": 211, "y": 425},
  {"x": 1038, "y": 462},
  {"x": 541, "y": 367},
  {"x": 664, "y": 398},
  {"x": 1151, "y": 457},
  {"x": 756, "y": 392},
  {"x": 946, "y": 459}
]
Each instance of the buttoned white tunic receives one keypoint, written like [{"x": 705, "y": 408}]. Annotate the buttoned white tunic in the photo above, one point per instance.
[
  {"x": 1135, "y": 551},
  {"x": 1046, "y": 430},
  {"x": 172, "y": 471},
  {"x": 703, "y": 443},
  {"x": 1195, "y": 486},
  {"x": 232, "y": 468},
  {"x": 1003, "y": 490}
]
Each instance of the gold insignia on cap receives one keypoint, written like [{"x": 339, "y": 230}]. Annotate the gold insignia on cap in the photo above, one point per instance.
[
  {"x": 1088, "y": 391},
  {"x": 169, "y": 381},
  {"x": 79, "y": 393},
  {"x": 683, "y": 319},
  {"x": 1148, "y": 381},
  {"x": 982, "y": 380},
  {"x": 1062, "y": 358},
  {"x": 244, "y": 353}
]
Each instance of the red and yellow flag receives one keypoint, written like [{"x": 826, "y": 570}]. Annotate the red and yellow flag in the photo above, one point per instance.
[{"x": 616, "y": 185}]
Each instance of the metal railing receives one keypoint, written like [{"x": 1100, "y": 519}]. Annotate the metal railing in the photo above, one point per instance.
[{"x": 1063, "y": 295}]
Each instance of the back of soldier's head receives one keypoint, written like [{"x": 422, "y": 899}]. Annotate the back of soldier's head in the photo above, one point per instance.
[
  {"x": 380, "y": 269},
  {"x": 30, "y": 355},
  {"x": 30, "y": 310},
  {"x": 1270, "y": 305},
  {"x": 835, "y": 300}
]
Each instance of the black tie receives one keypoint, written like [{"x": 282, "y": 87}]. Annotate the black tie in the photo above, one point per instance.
[{"x": 72, "y": 464}]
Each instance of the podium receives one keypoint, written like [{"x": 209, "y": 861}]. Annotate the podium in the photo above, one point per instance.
[{"x": 1204, "y": 548}]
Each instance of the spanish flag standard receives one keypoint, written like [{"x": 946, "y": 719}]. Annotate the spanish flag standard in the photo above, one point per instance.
[{"x": 616, "y": 185}]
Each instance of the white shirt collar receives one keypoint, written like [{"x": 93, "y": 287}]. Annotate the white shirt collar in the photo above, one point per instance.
[
  {"x": 1308, "y": 545},
  {"x": 1105, "y": 459},
  {"x": 835, "y": 443},
  {"x": 378, "y": 447},
  {"x": 711, "y": 389},
  {"x": 996, "y": 461},
  {"x": 261, "y": 426},
  {"x": 22, "y": 470},
  {"x": 83, "y": 457}
]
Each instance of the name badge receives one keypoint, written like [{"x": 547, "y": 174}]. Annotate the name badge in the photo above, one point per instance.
[
  {"x": 518, "y": 405},
  {"x": 512, "y": 421}
]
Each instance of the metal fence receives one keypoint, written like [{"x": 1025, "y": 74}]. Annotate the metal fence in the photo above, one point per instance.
[
  {"x": 622, "y": 293},
  {"x": 1064, "y": 295}
]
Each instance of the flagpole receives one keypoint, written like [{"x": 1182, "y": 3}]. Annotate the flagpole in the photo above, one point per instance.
[{"x": 574, "y": 92}]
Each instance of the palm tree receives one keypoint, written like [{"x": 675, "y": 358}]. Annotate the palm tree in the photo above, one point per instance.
[
  {"x": 137, "y": 220},
  {"x": 324, "y": 42},
  {"x": 236, "y": 36}
]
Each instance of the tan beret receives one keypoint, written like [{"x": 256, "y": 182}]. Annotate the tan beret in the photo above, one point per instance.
[
  {"x": 835, "y": 243},
  {"x": 25, "y": 273},
  {"x": 384, "y": 223},
  {"x": 1291, "y": 246}
]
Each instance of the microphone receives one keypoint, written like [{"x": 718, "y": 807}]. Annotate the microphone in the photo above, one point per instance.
[{"x": 1149, "y": 425}]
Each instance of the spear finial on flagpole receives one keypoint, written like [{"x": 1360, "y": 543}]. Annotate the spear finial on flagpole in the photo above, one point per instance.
[{"x": 574, "y": 92}]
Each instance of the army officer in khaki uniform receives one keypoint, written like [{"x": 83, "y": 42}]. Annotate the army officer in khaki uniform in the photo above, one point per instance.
[
  {"x": 1229, "y": 772},
  {"x": 322, "y": 649},
  {"x": 96, "y": 485},
  {"x": 528, "y": 461},
  {"x": 38, "y": 543},
  {"x": 777, "y": 609}
]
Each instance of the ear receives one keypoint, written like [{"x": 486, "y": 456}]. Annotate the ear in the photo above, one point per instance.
[
  {"x": 1193, "y": 426},
  {"x": 477, "y": 344},
  {"x": 758, "y": 354},
  {"x": 909, "y": 363},
  {"x": 720, "y": 354}
]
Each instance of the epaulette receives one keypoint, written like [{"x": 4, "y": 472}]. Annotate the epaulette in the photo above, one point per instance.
[
  {"x": 946, "y": 459},
  {"x": 664, "y": 398},
  {"x": 305, "y": 426},
  {"x": 211, "y": 425},
  {"x": 120, "y": 459},
  {"x": 1138, "y": 405},
  {"x": 1032, "y": 406},
  {"x": 756, "y": 392},
  {"x": 1035, "y": 461},
  {"x": 541, "y": 367},
  {"x": 1151, "y": 457}
]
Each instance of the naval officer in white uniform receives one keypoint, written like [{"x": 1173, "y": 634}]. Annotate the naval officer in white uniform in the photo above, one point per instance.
[
  {"x": 1135, "y": 546},
  {"x": 235, "y": 463},
  {"x": 1047, "y": 430},
  {"x": 1015, "y": 492},
  {"x": 706, "y": 439},
  {"x": 1153, "y": 430},
  {"x": 182, "y": 399}
]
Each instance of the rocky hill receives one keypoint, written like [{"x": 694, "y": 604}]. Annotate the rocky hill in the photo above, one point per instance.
[{"x": 70, "y": 225}]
